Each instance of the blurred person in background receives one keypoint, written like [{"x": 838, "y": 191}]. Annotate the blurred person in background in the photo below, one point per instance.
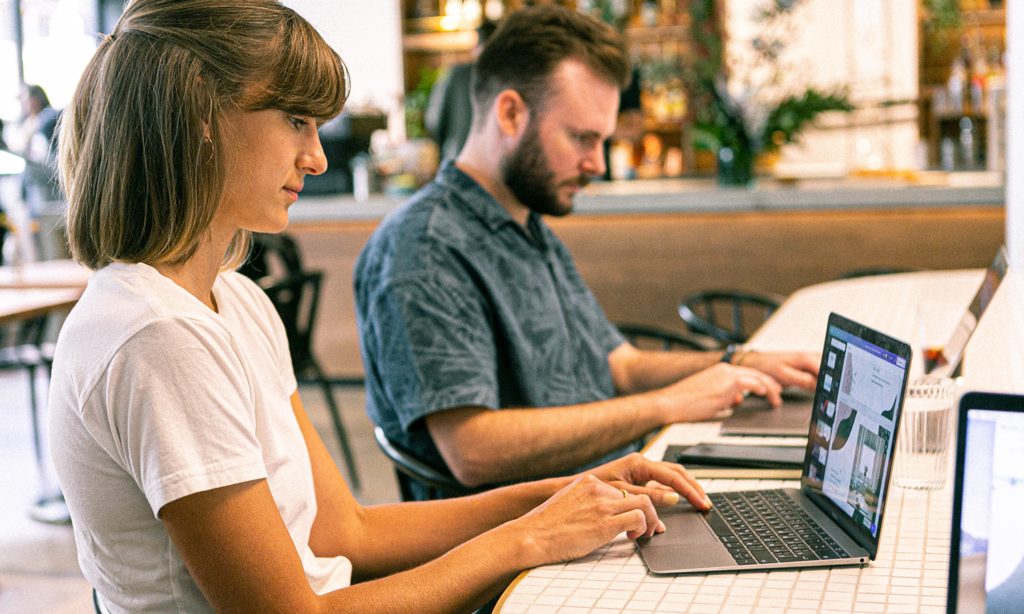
[{"x": 450, "y": 109}]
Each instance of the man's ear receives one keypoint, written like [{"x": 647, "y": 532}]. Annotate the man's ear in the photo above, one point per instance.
[{"x": 512, "y": 113}]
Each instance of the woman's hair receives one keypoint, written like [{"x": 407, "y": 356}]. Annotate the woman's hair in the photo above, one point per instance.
[
  {"x": 530, "y": 45},
  {"x": 139, "y": 155}
]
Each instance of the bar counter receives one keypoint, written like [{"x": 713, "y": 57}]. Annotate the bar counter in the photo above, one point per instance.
[
  {"x": 703, "y": 195},
  {"x": 642, "y": 246}
]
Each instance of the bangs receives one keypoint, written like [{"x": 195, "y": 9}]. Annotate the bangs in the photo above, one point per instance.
[{"x": 309, "y": 79}]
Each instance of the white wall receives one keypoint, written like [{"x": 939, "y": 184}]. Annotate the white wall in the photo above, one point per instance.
[
  {"x": 368, "y": 37},
  {"x": 1015, "y": 138},
  {"x": 869, "y": 46}
]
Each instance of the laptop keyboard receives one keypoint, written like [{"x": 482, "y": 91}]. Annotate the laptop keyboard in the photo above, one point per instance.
[{"x": 765, "y": 526}]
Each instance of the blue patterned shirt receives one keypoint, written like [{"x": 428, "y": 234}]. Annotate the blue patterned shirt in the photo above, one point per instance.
[{"x": 458, "y": 305}]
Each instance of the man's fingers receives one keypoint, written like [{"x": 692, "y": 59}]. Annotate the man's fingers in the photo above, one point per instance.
[
  {"x": 803, "y": 380},
  {"x": 761, "y": 384}
]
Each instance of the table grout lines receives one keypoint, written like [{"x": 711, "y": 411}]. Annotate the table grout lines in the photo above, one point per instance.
[{"x": 907, "y": 577}]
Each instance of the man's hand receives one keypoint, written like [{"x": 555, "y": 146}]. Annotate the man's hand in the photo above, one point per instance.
[
  {"x": 663, "y": 483},
  {"x": 791, "y": 369},
  {"x": 702, "y": 395}
]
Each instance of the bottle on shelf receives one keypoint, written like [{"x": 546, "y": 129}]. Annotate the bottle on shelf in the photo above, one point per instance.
[{"x": 955, "y": 85}]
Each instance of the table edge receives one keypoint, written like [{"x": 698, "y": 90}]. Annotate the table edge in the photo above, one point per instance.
[{"x": 508, "y": 590}]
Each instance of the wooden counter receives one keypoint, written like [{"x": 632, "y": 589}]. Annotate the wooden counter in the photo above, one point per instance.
[{"x": 640, "y": 260}]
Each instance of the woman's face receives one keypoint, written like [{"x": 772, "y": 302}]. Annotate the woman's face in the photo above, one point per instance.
[{"x": 267, "y": 155}]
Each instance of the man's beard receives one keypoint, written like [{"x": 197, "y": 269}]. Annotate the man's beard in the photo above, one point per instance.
[{"x": 530, "y": 178}]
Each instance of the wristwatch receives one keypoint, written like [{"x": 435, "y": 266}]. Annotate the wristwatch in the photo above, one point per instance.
[{"x": 730, "y": 350}]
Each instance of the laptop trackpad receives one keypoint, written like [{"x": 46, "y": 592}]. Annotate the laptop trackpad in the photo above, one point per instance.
[{"x": 687, "y": 541}]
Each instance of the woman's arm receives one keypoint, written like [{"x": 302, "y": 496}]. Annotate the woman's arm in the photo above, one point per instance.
[
  {"x": 239, "y": 552},
  {"x": 237, "y": 548},
  {"x": 385, "y": 539}
]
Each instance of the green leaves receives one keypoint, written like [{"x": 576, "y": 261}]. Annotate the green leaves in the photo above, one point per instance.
[{"x": 793, "y": 113}]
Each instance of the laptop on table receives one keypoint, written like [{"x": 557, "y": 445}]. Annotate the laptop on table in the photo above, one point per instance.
[
  {"x": 756, "y": 416},
  {"x": 835, "y": 517},
  {"x": 986, "y": 554}
]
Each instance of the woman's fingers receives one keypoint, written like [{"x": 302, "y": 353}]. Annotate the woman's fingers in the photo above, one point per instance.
[
  {"x": 646, "y": 524},
  {"x": 670, "y": 481}
]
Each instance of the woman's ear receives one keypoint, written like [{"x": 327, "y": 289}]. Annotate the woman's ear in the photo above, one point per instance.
[{"x": 512, "y": 113}]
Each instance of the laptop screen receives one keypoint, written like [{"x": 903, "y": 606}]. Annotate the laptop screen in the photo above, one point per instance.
[
  {"x": 861, "y": 382},
  {"x": 942, "y": 362},
  {"x": 987, "y": 553}
]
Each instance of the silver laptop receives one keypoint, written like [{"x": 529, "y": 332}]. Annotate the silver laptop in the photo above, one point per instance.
[
  {"x": 986, "y": 554},
  {"x": 756, "y": 416},
  {"x": 835, "y": 517}
]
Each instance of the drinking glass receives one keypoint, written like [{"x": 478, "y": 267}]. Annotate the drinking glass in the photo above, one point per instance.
[{"x": 922, "y": 448}]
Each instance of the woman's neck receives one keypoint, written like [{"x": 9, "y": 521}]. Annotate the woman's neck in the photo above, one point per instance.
[{"x": 197, "y": 274}]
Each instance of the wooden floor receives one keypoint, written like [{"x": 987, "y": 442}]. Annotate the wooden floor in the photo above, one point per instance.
[{"x": 641, "y": 266}]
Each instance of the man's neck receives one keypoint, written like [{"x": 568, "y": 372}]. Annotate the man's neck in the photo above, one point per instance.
[{"x": 490, "y": 179}]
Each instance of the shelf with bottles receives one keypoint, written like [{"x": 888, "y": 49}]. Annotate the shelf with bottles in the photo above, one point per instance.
[
  {"x": 641, "y": 20},
  {"x": 452, "y": 41},
  {"x": 962, "y": 78}
]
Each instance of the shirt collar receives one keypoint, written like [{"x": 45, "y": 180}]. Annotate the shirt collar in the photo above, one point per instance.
[
  {"x": 483, "y": 204},
  {"x": 477, "y": 199}
]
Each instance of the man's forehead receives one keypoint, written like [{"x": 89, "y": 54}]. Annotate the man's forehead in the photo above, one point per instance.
[{"x": 578, "y": 91}]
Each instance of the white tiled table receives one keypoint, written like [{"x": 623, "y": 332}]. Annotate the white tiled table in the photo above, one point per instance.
[{"x": 909, "y": 574}]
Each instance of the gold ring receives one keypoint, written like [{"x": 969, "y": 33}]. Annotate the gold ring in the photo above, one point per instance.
[{"x": 625, "y": 495}]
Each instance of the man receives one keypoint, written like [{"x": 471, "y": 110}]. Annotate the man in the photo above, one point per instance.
[{"x": 468, "y": 304}]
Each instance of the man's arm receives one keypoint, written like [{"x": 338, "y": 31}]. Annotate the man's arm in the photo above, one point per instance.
[
  {"x": 484, "y": 446},
  {"x": 635, "y": 370}
]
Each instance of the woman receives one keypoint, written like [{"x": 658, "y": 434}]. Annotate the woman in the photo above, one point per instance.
[{"x": 193, "y": 476}]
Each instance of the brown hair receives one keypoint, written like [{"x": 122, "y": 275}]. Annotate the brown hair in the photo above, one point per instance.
[
  {"x": 138, "y": 155},
  {"x": 531, "y": 44}
]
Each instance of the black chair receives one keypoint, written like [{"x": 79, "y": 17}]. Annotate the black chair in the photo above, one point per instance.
[
  {"x": 740, "y": 313},
  {"x": 24, "y": 349},
  {"x": 272, "y": 255},
  {"x": 296, "y": 298},
  {"x": 643, "y": 337},
  {"x": 408, "y": 469}
]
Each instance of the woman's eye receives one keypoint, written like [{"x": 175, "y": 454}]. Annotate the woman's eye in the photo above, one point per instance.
[{"x": 298, "y": 122}]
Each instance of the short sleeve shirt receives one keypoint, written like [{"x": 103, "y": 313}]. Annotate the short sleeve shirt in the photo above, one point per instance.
[
  {"x": 459, "y": 305},
  {"x": 155, "y": 397}
]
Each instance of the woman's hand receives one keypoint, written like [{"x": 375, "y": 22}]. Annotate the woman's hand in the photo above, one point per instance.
[
  {"x": 604, "y": 502},
  {"x": 662, "y": 482},
  {"x": 584, "y": 515}
]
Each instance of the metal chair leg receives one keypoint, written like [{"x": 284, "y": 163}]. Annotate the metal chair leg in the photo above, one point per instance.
[
  {"x": 339, "y": 427},
  {"x": 36, "y": 436}
]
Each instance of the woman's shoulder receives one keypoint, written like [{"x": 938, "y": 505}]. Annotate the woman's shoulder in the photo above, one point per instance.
[
  {"x": 127, "y": 309},
  {"x": 245, "y": 293}
]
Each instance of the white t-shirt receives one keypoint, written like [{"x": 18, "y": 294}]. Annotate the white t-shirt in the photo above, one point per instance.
[{"x": 154, "y": 396}]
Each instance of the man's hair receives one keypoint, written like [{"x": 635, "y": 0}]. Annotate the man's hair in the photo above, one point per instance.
[
  {"x": 484, "y": 31},
  {"x": 530, "y": 45},
  {"x": 140, "y": 160}
]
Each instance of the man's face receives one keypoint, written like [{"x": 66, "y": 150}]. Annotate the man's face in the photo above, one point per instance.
[{"x": 561, "y": 148}]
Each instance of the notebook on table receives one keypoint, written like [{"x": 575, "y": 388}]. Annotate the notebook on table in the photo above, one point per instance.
[
  {"x": 757, "y": 417},
  {"x": 986, "y": 554},
  {"x": 835, "y": 517}
]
